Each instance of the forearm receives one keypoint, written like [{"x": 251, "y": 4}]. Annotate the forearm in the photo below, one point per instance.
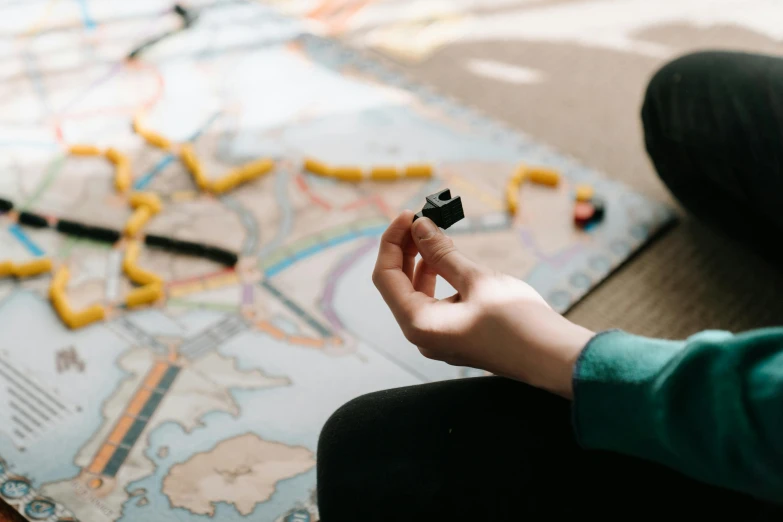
[
  {"x": 708, "y": 407},
  {"x": 536, "y": 345}
]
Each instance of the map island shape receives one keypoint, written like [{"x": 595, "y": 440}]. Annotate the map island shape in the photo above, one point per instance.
[{"x": 242, "y": 471}]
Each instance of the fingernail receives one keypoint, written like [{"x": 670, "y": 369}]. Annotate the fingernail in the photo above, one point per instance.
[{"x": 425, "y": 228}]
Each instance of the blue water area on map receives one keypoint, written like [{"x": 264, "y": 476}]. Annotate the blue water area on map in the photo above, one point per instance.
[
  {"x": 32, "y": 337},
  {"x": 290, "y": 414}
]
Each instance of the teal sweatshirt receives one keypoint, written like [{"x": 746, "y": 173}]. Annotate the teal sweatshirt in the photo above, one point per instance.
[{"x": 710, "y": 407}]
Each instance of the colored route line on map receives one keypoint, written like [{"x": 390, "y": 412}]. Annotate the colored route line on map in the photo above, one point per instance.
[
  {"x": 373, "y": 199},
  {"x": 213, "y": 281},
  {"x": 117, "y": 109},
  {"x": 248, "y": 295},
  {"x": 34, "y": 75},
  {"x": 147, "y": 178},
  {"x": 131, "y": 424},
  {"x": 139, "y": 336},
  {"x": 286, "y": 213},
  {"x": 312, "y": 245},
  {"x": 116, "y": 68},
  {"x": 299, "y": 340},
  {"x": 52, "y": 171},
  {"x": 332, "y": 279},
  {"x": 252, "y": 233},
  {"x": 212, "y": 337},
  {"x": 25, "y": 240},
  {"x": 87, "y": 20},
  {"x": 304, "y": 187},
  {"x": 298, "y": 310},
  {"x": 203, "y": 305},
  {"x": 113, "y": 275}
]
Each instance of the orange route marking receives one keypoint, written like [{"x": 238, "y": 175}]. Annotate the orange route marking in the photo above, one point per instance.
[
  {"x": 155, "y": 375},
  {"x": 382, "y": 206},
  {"x": 315, "y": 199},
  {"x": 127, "y": 419},
  {"x": 189, "y": 288},
  {"x": 369, "y": 200},
  {"x": 280, "y": 335},
  {"x": 138, "y": 402},
  {"x": 198, "y": 279},
  {"x": 210, "y": 282},
  {"x": 275, "y": 332},
  {"x": 120, "y": 430},
  {"x": 100, "y": 460},
  {"x": 375, "y": 199},
  {"x": 221, "y": 280},
  {"x": 306, "y": 341}
]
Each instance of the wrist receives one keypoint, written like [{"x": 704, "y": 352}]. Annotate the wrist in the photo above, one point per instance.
[
  {"x": 558, "y": 345},
  {"x": 566, "y": 353}
]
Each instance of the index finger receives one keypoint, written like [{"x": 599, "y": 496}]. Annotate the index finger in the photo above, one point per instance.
[{"x": 389, "y": 276}]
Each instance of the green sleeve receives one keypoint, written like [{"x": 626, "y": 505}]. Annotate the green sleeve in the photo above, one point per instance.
[{"x": 710, "y": 407}]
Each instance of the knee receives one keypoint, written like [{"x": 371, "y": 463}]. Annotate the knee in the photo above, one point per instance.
[
  {"x": 669, "y": 88},
  {"x": 681, "y": 90},
  {"x": 343, "y": 445},
  {"x": 341, "y": 426}
]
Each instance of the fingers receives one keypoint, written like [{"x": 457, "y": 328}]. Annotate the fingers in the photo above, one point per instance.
[
  {"x": 394, "y": 270},
  {"x": 409, "y": 253},
  {"x": 425, "y": 278},
  {"x": 439, "y": 253}
]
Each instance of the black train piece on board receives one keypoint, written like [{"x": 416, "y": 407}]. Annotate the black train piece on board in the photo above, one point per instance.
[
  {"x": 600, "y": 209},
  {"x": 32, "y": 220},
  {"x": 442, "y": 209}
]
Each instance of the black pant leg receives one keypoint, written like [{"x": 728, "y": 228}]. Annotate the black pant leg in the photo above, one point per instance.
[
  {"x": 713, "y": 125},
  {"x": 490, "y": 449}
]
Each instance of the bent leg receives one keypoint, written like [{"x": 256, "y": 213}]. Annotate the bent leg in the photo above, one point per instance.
[
  {"x": 488, "y": 448},
  {"x": 713, "y": 124}
]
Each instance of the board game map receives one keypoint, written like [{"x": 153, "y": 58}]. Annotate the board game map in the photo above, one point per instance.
[{"x": 246, "y": 364}]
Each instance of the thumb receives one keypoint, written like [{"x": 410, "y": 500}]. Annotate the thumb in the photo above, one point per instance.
[{"x": 439, "y": 252}]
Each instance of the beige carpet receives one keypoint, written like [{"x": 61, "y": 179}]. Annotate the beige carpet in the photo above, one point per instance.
[{"x": 572, "y": 73}]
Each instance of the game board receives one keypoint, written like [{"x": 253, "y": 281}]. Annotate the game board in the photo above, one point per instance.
[{"x": 210, "y": 405}]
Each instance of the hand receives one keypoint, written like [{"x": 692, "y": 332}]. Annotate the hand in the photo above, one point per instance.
[{"x": 494, "y": 322}]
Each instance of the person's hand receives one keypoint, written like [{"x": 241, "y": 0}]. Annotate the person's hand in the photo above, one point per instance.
[{"x": 494, "y": 322}]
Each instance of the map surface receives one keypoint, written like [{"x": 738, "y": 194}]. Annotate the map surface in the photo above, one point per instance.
[{"x": 210, "y": 404}]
